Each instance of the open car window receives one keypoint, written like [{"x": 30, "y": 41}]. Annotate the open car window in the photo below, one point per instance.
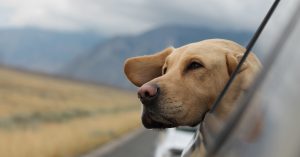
[{"x": 268, "y": 126}]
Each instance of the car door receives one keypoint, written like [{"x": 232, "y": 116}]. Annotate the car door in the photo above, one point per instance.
[{"x": 265, "y": 121}]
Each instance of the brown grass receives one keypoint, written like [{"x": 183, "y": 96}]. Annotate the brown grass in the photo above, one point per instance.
[{"x": 46, "y": 117}]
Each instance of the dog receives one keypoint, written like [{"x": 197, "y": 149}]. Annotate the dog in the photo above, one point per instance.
[{"x": 177, "y": 86}]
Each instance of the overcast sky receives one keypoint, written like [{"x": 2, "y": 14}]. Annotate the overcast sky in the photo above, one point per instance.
[{"x": 115, "y": 17}]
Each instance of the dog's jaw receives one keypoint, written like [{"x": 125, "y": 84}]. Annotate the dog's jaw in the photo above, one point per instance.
[{"x": 156, "y": 121}]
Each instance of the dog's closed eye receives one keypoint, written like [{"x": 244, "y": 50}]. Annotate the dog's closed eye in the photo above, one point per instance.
[{"x": 194, "y": 65}]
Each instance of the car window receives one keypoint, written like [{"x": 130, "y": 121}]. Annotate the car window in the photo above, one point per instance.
[
  {"x": 268, "y": 127},
  {"x": 259, "y": 117}
]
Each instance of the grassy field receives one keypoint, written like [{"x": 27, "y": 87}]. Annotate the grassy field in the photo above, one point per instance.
[{"x": 46, "y": 117}]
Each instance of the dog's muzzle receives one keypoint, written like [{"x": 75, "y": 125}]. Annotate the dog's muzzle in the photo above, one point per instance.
[{"x": 149, "y": 95}]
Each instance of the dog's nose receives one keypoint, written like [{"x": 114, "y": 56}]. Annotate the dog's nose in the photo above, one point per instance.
[{"x": 148, "y": 93}]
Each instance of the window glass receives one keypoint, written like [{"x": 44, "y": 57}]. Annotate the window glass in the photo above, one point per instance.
[{"x": 269, "y": 126}]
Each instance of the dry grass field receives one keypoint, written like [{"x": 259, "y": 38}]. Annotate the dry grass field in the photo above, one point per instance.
[{"x": 42, "y": 116}]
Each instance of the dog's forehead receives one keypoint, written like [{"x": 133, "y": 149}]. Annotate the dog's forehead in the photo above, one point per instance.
[
  {"x": 210, "y": 51},
  {"x": 206, "y": 52}
]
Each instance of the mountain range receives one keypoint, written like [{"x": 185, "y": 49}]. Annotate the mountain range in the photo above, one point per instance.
[
  {"x": 43, "y": 50},
  {"x": 104, "y": 64}
]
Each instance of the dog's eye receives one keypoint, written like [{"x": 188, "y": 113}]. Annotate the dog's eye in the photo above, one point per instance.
[
  {"x": 165, "y": 70},
  {"x": 194, "y": 65}
]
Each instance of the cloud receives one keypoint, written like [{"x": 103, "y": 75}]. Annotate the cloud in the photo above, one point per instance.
[{"x": 114, "y": 17}]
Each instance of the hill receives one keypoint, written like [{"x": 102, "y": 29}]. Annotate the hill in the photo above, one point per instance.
[
  {"x": 105, "y": 63},
  {"x": 43, "y": 50}
]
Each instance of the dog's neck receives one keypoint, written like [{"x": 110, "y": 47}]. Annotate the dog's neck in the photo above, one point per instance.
[
  {"x": 217, "y": 119},
  {"x": 214, "y": 122},
  {"x": 227, "y": 107},
  {"x": 230, "y": 99}
]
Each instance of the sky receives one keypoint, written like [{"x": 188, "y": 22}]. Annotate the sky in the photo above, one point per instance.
[{"x": 115, "y": 17}]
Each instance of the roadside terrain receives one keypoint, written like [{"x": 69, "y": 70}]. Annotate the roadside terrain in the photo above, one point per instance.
[{"x": 50, "y": 117}]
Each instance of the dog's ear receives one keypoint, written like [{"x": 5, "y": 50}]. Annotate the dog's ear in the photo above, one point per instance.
[
  {"x": 140, "y": 70},
  {"x": 232, "y": 60},
  {"x": 248, "y": 70}
]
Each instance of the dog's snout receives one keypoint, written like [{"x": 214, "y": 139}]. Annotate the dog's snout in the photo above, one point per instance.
[{"x": 148, "y": 93}]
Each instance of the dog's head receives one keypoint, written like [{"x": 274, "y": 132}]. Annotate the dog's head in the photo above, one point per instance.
[{"x": 178, "y": 86}]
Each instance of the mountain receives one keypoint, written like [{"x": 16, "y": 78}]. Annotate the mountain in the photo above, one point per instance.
[
  {"x": 105, "y": 63},
  {"x": 43, "y": 50}
]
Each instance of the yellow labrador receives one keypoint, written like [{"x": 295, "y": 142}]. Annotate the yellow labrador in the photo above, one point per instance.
[{"x": 179, "y": 85}]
